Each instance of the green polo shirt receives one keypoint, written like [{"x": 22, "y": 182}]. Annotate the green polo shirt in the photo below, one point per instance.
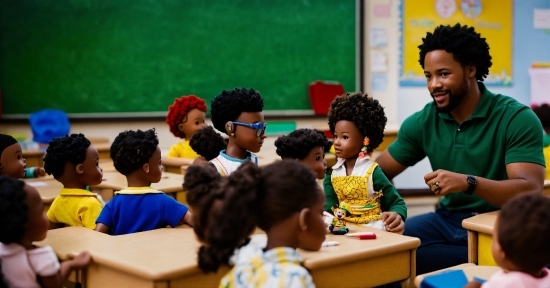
[{"x": 499, "y": 132}]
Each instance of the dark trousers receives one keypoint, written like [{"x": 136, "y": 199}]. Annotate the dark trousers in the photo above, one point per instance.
[{"x": 443, "y": 241}]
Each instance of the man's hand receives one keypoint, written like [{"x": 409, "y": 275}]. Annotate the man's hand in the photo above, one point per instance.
[
  {"x": 393, "y": 222},
  {"x": 443, "y": 182}
]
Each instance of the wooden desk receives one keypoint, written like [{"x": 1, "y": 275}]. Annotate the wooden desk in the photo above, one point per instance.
[
  {"x": 174, "y": 165},
  {"x": 480, "y": 238},
  {"x": 167, "y": 258},
  {"x": 546, "y": 189},
  {"x": 170, "y": 183},
  {"x": 104, "y": 150},
  {"x": 34, "y": 158},
  {"x": 471, "y": 270},
  {"x": 47, "y": 187}
]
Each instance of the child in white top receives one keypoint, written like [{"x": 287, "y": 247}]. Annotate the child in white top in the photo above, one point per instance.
[
  {"x": 283, "y": 199},
  {"x": 238, "y": 113},
  {"x": 22, "y": 222},
  {"x": 521, "y": 238}
]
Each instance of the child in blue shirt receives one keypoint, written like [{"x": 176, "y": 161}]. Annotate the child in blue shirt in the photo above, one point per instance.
[
  {"x": 283, "y": 199},
  {"x": 139, "y": 207},
  {"x": 12, "y": 162}
]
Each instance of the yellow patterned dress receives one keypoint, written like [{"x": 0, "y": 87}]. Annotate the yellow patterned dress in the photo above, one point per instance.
[{"x": 357, "y": 191}]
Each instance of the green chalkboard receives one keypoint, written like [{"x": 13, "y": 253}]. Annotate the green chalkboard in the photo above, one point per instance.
[{"x": 108, "y": 57}]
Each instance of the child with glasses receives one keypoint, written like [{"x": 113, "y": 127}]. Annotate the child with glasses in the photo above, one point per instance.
[{"x": 238, "y": 113}]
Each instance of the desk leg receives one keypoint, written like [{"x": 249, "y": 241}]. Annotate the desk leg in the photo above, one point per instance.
[
  {"x": 409, "y": 282},
  {"x": 472, "y": 247}
]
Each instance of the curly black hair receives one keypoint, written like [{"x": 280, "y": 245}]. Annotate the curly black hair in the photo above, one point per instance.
[
  {"x": 524, "y": 231},
  {"x": 543, "y": 112},
  {"x": 13, "y": 209},
  {"x": 466, "y": 45},
  {"x": 363, "y": 111},
  {"x": 299, "y": 143},
  {"x": 71, "y": 148},
  {"x": 131, "y": 149},
  {"x": 229, "y": 105},
  {"x": 207, "y": 143},
  {"x": 250, "y": 196}
]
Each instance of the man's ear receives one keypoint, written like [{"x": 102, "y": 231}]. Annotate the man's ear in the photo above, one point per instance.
[
  {"x": 79, "y": 169},
  {"x": 302, "y": 218},
  {"x": 229, "y": 128},
  {"x": 146, "y": 167},
  {"x": 472, "y": 70}
]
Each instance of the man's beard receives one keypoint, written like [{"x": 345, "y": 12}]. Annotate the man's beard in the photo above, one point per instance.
[{"x": 454, "y": 98}]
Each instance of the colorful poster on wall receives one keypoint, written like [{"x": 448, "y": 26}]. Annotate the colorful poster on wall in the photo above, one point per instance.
[{"x": 492, "y": 19}]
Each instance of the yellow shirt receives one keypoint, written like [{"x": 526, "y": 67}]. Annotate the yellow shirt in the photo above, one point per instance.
[
  {"x": 182, "y": 150},
  {"x": 546, "y": 151},
  {"x": 75, "y": 207}
]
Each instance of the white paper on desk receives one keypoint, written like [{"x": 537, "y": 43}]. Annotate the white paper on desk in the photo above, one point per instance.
[
  {"x": 36, "y": 183},
  {"x": 541, "y": 18},
  {"x": 540, "y": 85},
  {"x": 378, "y": 61}
]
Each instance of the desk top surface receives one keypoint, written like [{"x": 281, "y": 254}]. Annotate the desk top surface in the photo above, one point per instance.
[
  {"x": 47, "y": 187},
  {"x": 481, "y": 223},
  {"x": 546, "y": 183},
  {"x": 171, "y": 252},
  {"x": 169, "y": 183}
]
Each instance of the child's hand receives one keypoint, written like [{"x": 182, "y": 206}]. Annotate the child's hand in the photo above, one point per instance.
[
  {"x": 82, "y": 260},
  {"x": 39, "y": 172},
  {"x": 393, "y": 222},
  {"x": 473, "y": 284}
]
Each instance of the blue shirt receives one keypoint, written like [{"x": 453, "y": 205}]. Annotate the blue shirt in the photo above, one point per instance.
[{"x": 137, "y": 209}]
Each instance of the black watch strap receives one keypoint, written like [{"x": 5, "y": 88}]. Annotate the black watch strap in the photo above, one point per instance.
[{"x": 472, "y": 182}]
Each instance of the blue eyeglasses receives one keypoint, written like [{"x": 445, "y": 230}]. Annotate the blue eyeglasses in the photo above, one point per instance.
[{"x": 259, "y": 127}]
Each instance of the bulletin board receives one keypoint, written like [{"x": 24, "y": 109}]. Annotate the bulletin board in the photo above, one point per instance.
[{"x": 492, "y": 19}]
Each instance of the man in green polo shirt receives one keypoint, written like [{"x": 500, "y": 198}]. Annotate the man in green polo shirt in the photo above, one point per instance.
[{"x": 484, "y": 148}]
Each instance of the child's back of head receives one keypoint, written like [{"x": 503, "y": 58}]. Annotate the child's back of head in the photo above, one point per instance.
[
  {"x": 227, "y": 209},
  {"x": 523, "y": 232},
  {"x": 133, "y": 149},
  {"x": 13, "y": 209},
  {"x": 543, "y": 113},
  {"x": 208, "y": 143}
]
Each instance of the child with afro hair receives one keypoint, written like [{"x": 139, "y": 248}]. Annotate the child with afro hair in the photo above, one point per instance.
[
  {"x": 139, "y": 207},
  {"x": 520, "y": 244},
  {"x": 208, "y": 143},
  {"x": 22, "y": 222},
  {"x": 12, "y": 162},
  {"x": 74, "y": 161},
  {"x": 185, "y": 117},
  {"x": 355, "y": 182},
  {"x": 238, "y": 113},
  {"x": 307, "y": 146}
]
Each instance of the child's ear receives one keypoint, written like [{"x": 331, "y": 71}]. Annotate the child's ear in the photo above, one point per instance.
[
  {"x": 180, "y": 126},
  {"x": 302, "y": 218},
  {"x": 79, "y": 169},
  {"x": 229, "y": 128},
  {"x": 146, "y": 167}
]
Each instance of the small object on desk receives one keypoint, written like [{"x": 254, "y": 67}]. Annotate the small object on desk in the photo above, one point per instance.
[
  {"x": 447, "y": 279},
  {"x": 330, "y": 243},
  {"x": 362, "y": 235}
]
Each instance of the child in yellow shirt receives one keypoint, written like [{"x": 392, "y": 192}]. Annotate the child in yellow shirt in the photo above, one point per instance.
[
  {"x": 185, "y": 117},
  {"x": 74, "y": 161}
]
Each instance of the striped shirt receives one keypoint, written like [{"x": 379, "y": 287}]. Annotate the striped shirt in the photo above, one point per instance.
[
  {"x": 226, "y": 164},
  {"x": 278, "y": 267}
]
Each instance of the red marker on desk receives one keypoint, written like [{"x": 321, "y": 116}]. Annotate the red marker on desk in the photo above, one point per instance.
[{"x": 362, "y": 235}]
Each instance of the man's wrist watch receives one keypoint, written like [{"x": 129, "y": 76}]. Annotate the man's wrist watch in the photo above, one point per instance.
[{"x": 472, "y": 182}]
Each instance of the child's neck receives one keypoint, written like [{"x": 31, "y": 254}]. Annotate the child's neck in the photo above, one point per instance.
[
  {"x": 350, "y": 164},
  {"x": 281, "y": 236},
  {"x": 235, "y": 151},
  {"x": 134, "y": 180},
  {"x": 26, "y": 243}
]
